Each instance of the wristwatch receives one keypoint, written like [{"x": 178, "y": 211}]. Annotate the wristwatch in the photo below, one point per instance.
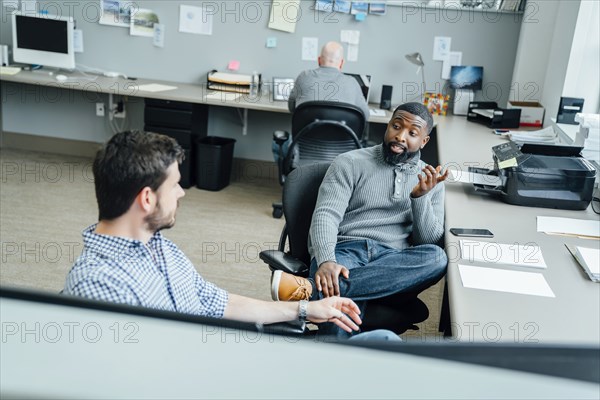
[{"x": 302, "y": 310}]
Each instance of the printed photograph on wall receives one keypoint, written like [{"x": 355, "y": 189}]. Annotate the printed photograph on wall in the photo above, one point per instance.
[
  {"x": 324, "y": 5},
  {"x": 116, "y": 12},
  {"x": 377, "y": 8},
  {"x": 142, "y": 23},
  {"x": 436, "y": 103}
]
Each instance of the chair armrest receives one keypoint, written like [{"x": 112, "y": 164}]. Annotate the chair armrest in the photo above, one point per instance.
[
  {"x": 280, "y": 137},
  {"x": 278, "y": 260}
]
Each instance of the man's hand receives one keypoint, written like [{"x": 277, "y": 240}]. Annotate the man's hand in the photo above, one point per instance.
[
  {"x": 341, "y": 311},
  {"x": 326, "y": 278},
  {"x": 428, "y": 181}
]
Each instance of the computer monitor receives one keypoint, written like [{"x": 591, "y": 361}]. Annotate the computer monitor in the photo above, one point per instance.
[
  {"x": 466, "y": 77},
  {"x": 43, "y": 39},
  {"x": 364, "y": 81}
]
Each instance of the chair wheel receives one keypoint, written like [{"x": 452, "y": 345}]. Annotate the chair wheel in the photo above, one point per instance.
[{"x": 277, "y": 213}]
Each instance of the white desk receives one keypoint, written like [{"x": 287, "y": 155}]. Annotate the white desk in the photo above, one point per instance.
[
  {"x": 573, "y": 316},
  {"x": 185, "y": 92}
]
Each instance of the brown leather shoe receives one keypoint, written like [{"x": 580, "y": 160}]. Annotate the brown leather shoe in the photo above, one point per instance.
[{"x": 288, "y": 287}]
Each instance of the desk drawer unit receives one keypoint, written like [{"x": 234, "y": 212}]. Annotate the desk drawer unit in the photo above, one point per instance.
[{"x": 185, "y": 122}]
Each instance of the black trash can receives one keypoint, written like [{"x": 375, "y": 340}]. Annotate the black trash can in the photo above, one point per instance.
[{"x": 214, "y": 156}]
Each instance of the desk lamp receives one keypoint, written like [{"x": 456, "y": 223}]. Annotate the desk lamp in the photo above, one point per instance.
[{"x": 416, "y": 59}]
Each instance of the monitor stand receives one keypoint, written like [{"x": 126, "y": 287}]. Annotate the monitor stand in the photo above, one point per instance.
[{"x": 462, "y": 98}]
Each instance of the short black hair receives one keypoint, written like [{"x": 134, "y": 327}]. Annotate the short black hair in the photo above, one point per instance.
[
  {"x": 129, "y": 162},
  {"x": 419, "y": 110}
]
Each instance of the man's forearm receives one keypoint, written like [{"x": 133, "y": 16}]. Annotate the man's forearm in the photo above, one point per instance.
[{"x": 246, "y": 309}]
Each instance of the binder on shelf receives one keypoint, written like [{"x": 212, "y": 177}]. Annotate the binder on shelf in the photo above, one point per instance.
[
  {"x": 489, "y": 114},
  {"x": 227, "y": 82}
]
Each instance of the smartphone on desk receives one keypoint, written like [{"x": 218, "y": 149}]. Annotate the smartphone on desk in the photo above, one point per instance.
[{"x": 486, "y": 233}]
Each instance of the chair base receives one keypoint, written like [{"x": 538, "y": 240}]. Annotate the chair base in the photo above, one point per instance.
[{"x": 277, "y": 210}]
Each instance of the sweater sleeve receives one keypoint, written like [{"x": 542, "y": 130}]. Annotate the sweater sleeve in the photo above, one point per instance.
[
  {"x": 332, "y": 201},
  {"x": 428, "y": 216}
]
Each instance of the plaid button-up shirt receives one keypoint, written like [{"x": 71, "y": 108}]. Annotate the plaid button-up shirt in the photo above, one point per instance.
[{"x": 155, "y": 275}]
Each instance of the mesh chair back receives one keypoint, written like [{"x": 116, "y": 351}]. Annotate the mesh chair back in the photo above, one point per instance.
[
  {"x": 322, "y": 130},
  {"x": 300, "y": 193}
]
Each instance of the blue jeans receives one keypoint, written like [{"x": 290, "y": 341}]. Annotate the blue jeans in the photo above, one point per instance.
[
  {"x": 284, "y": 147},
  {"x": 377, "y": 271},
  {"x": 378, "y": 334}
]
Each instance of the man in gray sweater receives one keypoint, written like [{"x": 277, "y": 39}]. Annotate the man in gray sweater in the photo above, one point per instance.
[{"x": 378, "y": 217}]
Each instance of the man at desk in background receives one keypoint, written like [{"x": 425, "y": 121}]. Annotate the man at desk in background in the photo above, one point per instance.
[
  {"x": 326, "y": 83},
  {"x": 127, "y": 260},
  {"x": 376, "y": 221}
]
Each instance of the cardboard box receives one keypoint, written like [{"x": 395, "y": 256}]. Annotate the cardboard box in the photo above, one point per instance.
[{"x": 532, "y": 112}]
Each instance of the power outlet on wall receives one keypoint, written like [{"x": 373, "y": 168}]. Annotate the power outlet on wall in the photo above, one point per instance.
[{"x": 100, "y": 109}]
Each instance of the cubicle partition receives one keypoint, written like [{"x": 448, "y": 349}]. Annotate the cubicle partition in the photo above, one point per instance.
[{"x": 56, "y": 346}]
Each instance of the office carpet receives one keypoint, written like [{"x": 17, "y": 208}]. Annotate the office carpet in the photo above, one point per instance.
[{"x": 46, "y": 200}]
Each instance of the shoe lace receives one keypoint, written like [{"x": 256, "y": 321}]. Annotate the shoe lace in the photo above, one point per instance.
[{"x": 301, "y": 293}]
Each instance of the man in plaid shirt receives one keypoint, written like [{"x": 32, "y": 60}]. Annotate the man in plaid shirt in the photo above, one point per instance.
[{"x": 127, "y": 260}]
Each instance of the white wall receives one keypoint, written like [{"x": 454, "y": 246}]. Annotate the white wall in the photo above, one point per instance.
[
  {"x": 543, "y": 52},
  {"x": 583, "y": 72},
  {"x": 533, "y": 52}
]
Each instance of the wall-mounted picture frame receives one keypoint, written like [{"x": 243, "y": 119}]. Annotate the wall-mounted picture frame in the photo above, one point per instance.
[{"x": 436, "y": 103}]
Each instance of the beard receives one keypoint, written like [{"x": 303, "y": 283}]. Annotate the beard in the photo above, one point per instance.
[
  {"x": 396, "y": 158},
  {"x": 156, "y": 221}
]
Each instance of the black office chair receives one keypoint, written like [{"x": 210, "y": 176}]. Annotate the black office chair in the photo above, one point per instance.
[
  {"x": 321, "y": 130},
  {"x": 397, "y": 313}
]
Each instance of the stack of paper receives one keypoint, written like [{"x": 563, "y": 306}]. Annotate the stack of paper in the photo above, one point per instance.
[
  {"x": 546, "y": 135},
  {"x": 9, "y": 70},
  {"x": 589, "y": 259},
  {"x": 227, "y": 82}
]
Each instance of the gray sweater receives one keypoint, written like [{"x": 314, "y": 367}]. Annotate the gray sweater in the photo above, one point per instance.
[
  {"x": 363, "y": 197},
  {"x": 327, "y": 84}
]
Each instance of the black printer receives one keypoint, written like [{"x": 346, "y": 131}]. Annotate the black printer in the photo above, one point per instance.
[{"x": 556, "y": 179}]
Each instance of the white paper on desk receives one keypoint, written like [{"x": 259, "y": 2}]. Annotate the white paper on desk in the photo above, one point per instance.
[
  {"x": 155, "y": 87},
  {"x": 546, "y": 135},
  {"x": 9, "y": 70},
  {"x": 473, "y": 177},
  {"x": 591, "y": 258},
  {"x": 223, "y": 96},
  {"x": 569, "y": 226},
  {"x": 454, "y": 58},
  {"x": 485, "y": 112},
  {"x": 195, "y": 20},
  {"x": 528, "y": 255},
  {"x": 376, "y": 112},
  {"x": 502, "y": 280}
]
